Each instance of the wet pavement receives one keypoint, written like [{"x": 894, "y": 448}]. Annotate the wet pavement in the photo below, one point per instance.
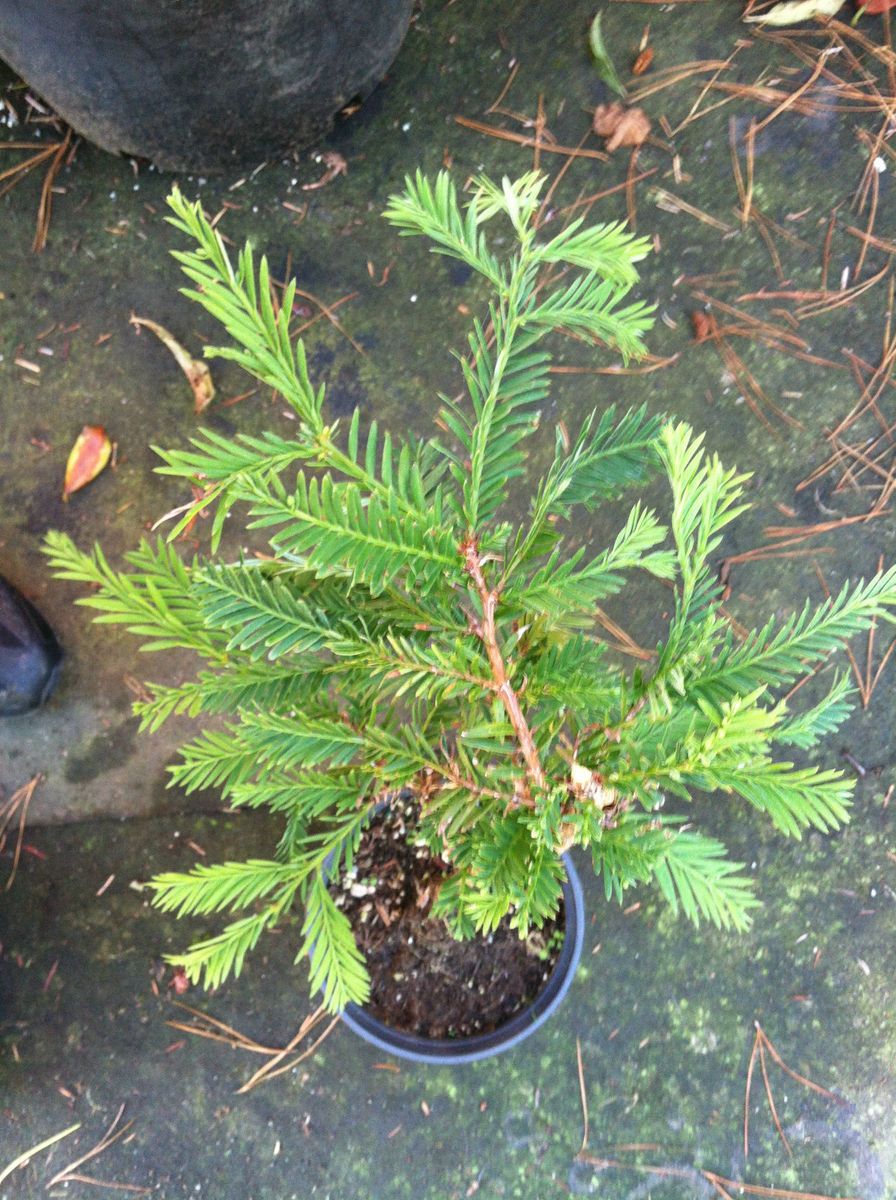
[{"x": 664, "y": 1014}]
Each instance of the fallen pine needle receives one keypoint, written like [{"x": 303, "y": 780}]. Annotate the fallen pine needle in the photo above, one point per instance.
[
  {"x": 508, "y": 83},
  {"x": 797, "y": 533},
  {"x": 674, "y": 204},
  {"x": 610, "y": 191},
  {"x": 865, "y": 682},
  {"x": 508, "y": 135},
  {"x": 23, "y": 1159},
  {"x": 267, "y": 1071},
  {"x": 112, "y": 1134},
  {"x": 657, "y": 365},
  {"x": 717, "y": 1181},
  {"x": 218, "y": 1031},
  {"x": 625, "y": 644},
  {"x": 16, "y": 804},
  {"x": 846, "y": 296},
  {"x": 117, "y": 1187},
  {"x": 328, "y": 310},
  {"x": 227, "y": 1034},
  {"x": 761, "y": 1044},
  {"x": 583, "y": 1096},
  {"x": 672, "y": 75},
  {"x": 878, "y": 242},
  {"x": 44, "y": 208}
]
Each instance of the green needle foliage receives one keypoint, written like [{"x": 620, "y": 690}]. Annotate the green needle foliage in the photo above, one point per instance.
[{"x": 405, "y": 632}]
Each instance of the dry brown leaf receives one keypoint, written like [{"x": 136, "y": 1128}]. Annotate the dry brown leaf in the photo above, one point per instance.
[
  {"x": 335, "y": 164},
  {"x": 621, "y": 126},
  {"x": 196, "y": 371},
  {"x": 89, "y": 455}
]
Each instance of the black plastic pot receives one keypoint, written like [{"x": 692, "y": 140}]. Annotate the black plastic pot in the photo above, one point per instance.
[
  {"x": 30, "y": 655},
  {"x": 202, "y": 85},
  {"x": 451, "y": 1051}
]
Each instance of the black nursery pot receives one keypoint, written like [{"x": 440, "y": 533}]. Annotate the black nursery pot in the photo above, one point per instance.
[
  {"x": 30, "y": 655},
  {"x": 451, "y": 1051},
  {"x": 202, "y": 85}
]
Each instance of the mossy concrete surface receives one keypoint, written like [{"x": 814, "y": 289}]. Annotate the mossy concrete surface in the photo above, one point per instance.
[{"x": 664, "y": 1015}]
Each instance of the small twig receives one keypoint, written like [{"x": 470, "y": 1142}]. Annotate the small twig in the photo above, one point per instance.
[
  {"x": 306, "y": 1026},
  {"x": 797, "y": 533},
  {"x": 693, "y": 111},
  {"x": 486, "y": 631}
]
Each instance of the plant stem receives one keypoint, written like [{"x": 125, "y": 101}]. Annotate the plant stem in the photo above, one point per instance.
[{"x": 487, "y": 633}]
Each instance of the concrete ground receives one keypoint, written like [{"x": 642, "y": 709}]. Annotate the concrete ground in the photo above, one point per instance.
[{"x": 664, "y": 1015}]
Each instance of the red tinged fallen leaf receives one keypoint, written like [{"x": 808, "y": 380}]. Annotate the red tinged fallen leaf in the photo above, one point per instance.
[
  {"x": 179, "y": 981},
  {"x": 876, "y": 6},
  {"x": 89, "y": 455},
  {"x": 643, "y": 61}
]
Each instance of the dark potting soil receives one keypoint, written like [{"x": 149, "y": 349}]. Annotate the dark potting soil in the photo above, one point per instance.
[{"x": 423, "y": 980}]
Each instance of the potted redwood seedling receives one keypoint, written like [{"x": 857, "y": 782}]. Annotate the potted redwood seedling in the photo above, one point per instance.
[{"x": 411, "y": 675}]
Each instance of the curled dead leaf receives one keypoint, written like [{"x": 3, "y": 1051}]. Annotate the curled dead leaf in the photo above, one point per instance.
[
  {"x": 197, "y": 372},
  {"x": 335, "y": 164},
  {"x": 621, "y": 126},
  {"x": 588, "y": 785},
  {"x": 704, "y": 325},
  {"x": 89, "y": 455}
]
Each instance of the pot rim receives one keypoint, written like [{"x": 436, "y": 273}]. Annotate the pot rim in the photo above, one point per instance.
[{"x": 453, "y": 1051}]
